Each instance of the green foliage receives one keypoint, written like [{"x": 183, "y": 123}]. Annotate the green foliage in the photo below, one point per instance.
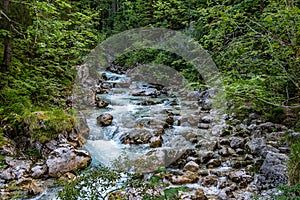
[
  {"x": 44, "y": 126},
  {"x": 101, "y": 182},
  {"x": 248, "y": 42},
  {"x": 294, "y": 164},
  {"x": 288, "y": 192},
  {"x": 93, "y": 184},
  {"x": 53, "y": 37}
]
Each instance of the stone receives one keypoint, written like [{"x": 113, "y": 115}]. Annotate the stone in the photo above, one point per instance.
[
  {"x": 51, "y": 145},
  {"x": 81, "y": 128},
  {"x": 199, "y": 195},
  {"x": 203, "y": 126},
  {"x": 205, "y": 156},
  {"x": 225, "y": 152},
  {"x": 145, "y": 92},
  {"x": 209, "y": 145},
  {"x": 274, "y": 169},
  {"x": 214, "y": 163},
  {"x": 151, "y": 161},
  {"x": 65, "y": 159},
  {"x": 38, "y": 171},
  {"x": 239, "y": 176},
  {"x": 8, "y": 149},
  {"x": 78, "y": 139},
  {"x": 193, "y": 95},
  {"x": 35, "y": 188},
  {"x": 185, "y": 178},
  {"x": 209, "y": 181},
  {"x": 105, "y": 119},
  {"x": 68, "y": 177},
  {"x": 7, "y": 174},
  {"x": 191, "y": 166},
  {"x": 17, "y": 168},
  {"x": 102, "y": 104},
  {"x": 156, "y": 142},
  {"x": 224, "y": 141},
  {"x": 236, "y": 142},
  {"x": 256, "y": 146},
  {"x": 137, "y": 136},
  {"x": 207, "y": 119},
  {"x": 170, "y": 120}
]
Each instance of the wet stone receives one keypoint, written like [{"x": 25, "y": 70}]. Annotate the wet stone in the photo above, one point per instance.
[
  {"x": 105, "y": 119},
  {"x": 191, "y": 166},
  {"x": 156, "y": 142},
  {"x": 209, "y": 181},
  {"x": 214, "y": 163}
]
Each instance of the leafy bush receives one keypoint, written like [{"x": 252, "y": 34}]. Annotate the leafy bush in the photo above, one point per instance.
[
  {"x": 288, "y": 192},
  {"x": 294, "y": 164},
  {"x": 101, "y": 183}
]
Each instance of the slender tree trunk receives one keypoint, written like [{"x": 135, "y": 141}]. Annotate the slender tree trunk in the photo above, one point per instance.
[{"x": 7, "y": 57}]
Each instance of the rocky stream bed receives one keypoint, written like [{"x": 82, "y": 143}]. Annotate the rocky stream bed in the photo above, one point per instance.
[{"x": 216, "y": 159}]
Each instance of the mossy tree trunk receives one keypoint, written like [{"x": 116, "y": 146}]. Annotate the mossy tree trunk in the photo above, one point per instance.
[{"x": 7, "y": 56}]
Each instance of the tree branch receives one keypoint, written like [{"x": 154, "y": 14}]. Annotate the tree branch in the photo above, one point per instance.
[
  {"x": 11, "y": 24},
  {"x": 267, "y": 102}
]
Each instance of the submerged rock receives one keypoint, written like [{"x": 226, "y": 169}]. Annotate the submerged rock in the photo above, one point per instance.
[
  {"x": 65, "y": 159},
  {"x": 105, "y": 119},
  {"x": 102, "y": 104}
]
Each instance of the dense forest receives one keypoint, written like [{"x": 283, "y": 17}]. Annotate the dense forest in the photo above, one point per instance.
[{"x": 255, "y": 45}]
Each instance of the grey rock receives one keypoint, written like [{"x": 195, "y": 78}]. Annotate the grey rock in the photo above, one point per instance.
[
  {"x": 7, "y": 174},
  {"x": 256, "y": 146},
  {"x": 38, "y": 171},
  {"x": 207, "y": 145},
  {"x": 274, "y": 169},
  {"x": 236, "y": 142},
  {"x": 66, "y": 158}
]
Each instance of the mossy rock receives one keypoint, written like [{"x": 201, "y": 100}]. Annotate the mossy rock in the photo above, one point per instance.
[{"x": 44, "y": 126}]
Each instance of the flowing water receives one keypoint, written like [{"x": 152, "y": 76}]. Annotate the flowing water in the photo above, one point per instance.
[{"x": 133, "y": 112}]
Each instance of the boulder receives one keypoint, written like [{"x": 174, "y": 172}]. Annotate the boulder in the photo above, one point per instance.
[
  {"x": 191, "y": 166},
  {"x": 105, "y": 119},
  {"x": 81, "y": 128},
  {"x": 65, "y": 159},
  {"x": 274, "y": 170},
  {"x": 16, "y": 169},
  {"x": 137, "y": 136}
]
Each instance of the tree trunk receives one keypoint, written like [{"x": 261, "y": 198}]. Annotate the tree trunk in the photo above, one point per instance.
[{"x": 7, "y": 57}]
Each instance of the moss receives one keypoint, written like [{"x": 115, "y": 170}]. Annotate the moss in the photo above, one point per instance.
[{"x": 46, "y": 125}]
